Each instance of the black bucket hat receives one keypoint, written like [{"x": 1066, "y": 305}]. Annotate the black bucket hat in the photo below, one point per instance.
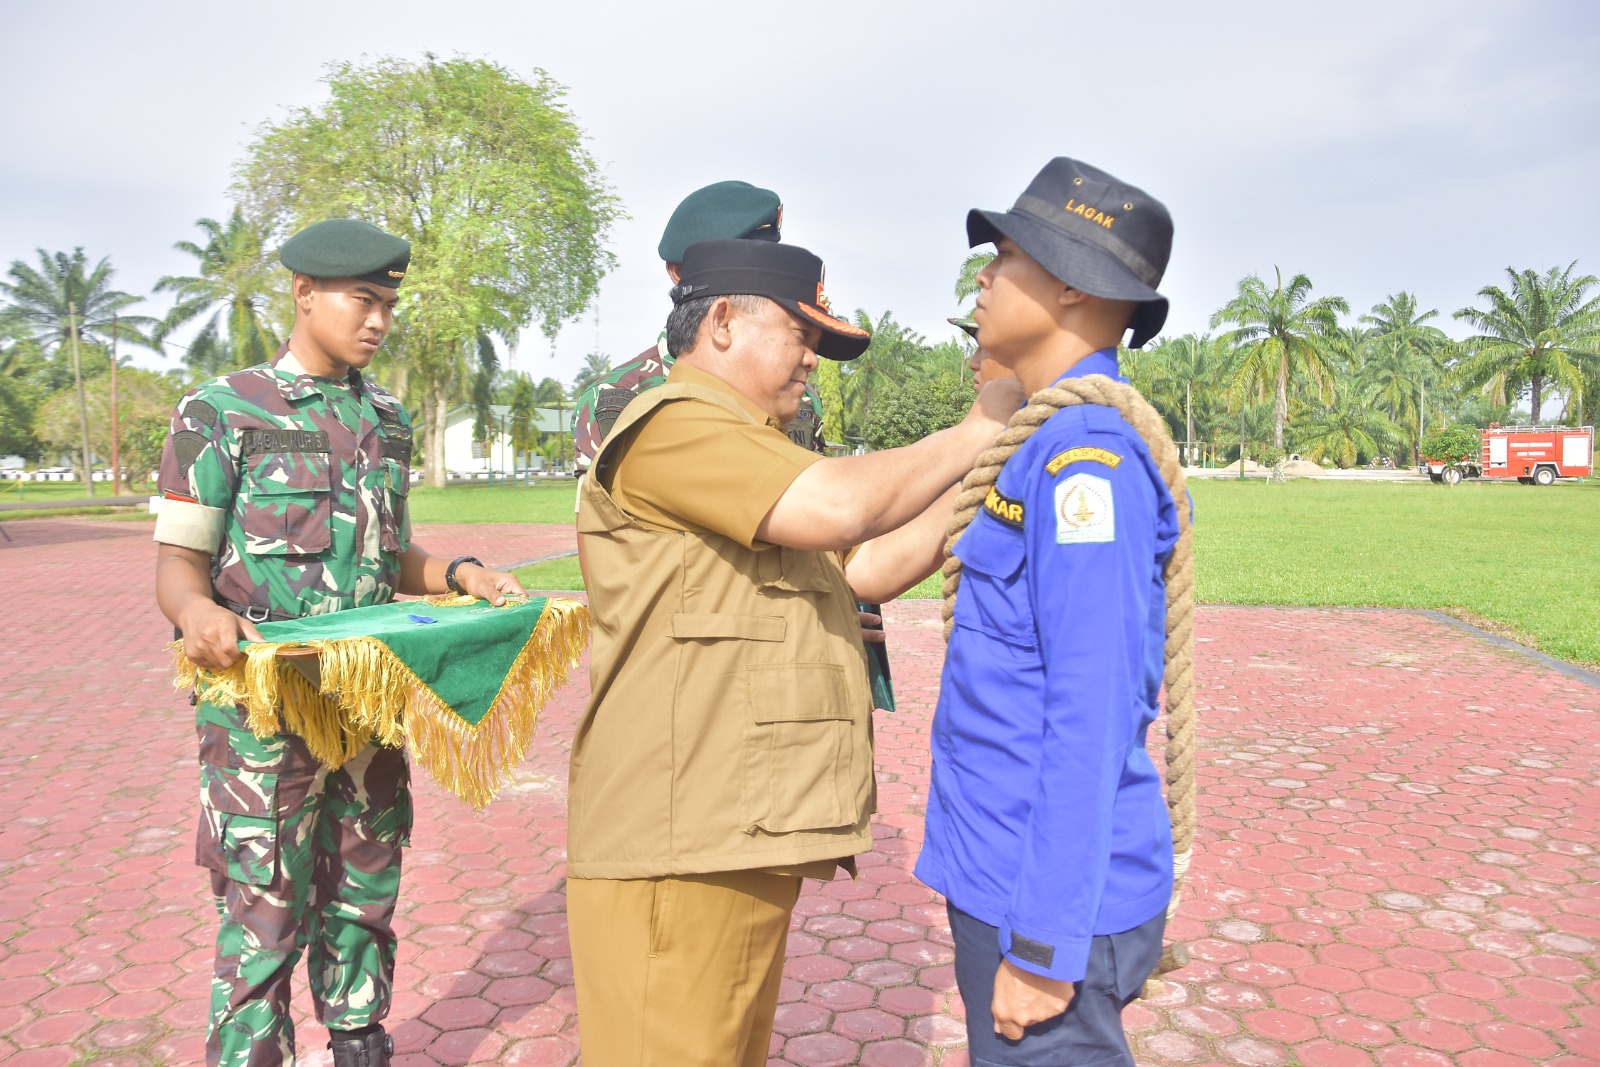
[
  {"x": 788, "y": 275},
  {"x": 1094, "y": 232}
]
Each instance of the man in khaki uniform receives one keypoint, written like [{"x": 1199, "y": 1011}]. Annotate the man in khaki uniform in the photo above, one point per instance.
[{"x": 726, "y": 752}]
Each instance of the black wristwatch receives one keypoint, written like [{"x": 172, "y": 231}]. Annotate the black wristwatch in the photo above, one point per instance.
[{"x": 450, "y": 582}]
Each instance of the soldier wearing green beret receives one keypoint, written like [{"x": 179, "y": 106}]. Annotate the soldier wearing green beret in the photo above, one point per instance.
[
  {"x": 284, "y": 494},
  {"x": 984, "y": 367},
  {"x": 722, "y": 210}
]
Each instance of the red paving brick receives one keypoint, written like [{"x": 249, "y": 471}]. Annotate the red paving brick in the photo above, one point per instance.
[{"x": 1396, "y": 861}]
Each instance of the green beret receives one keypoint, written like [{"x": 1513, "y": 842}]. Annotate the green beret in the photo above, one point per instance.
[
  {"x": 968, "y": 327},
  {"x": 721, "y": 212},
  {"x": 347, "y": 248}
]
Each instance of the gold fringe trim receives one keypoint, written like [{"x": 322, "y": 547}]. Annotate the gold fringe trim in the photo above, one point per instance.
[{"x": 367, "y": 693}]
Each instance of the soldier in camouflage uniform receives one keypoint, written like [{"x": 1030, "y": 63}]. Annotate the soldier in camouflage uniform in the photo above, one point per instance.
[
  {"x": 599, "y": 405},
  {"x": 284, "y": 494}
]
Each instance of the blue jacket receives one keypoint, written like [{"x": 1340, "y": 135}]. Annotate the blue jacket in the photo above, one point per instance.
[{"x": 1045, "y": 814}]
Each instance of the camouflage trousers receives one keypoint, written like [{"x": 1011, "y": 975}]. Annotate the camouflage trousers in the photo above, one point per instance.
[{"x": 302, "y": 860}]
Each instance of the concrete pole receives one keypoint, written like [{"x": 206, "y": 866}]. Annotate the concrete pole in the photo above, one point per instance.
[{"x": 116, "y": 438}]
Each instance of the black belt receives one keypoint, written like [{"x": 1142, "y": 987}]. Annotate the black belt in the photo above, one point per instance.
[
  {"x": 250, "y": 612},
  {"x": 257, "y": 614}
]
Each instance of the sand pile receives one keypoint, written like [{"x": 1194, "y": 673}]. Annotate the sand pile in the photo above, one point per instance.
[
  {"x": 1302, "y": 468},
  {"x": 1249, "y": 465}
]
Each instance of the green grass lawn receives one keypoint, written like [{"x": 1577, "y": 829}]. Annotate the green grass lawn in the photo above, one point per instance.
[
  {"x": 11, "y": 492},
  {"x": 540, "y": 503},
  {"x": 1523, "y": 561},
  {"x": 14, "y": 492},
  {"x": 495, "y": 503},
  {"x": 1518, "y": 560},
  {"x": 557, "y": 575}
]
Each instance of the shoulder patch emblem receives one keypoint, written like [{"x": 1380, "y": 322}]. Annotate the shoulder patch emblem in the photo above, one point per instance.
[
  {"x": 1003, "y": 508},
  {"x": 1085, "y": 511},
  {"x": 608, "y": 405},
  {"x": 1074, "y": 455},
  {"x": 187, "y": 445},
  {"x": 200, "y": 411}
]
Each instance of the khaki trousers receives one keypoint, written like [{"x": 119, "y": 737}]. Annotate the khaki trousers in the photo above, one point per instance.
[{"x": 681, "y": 971}]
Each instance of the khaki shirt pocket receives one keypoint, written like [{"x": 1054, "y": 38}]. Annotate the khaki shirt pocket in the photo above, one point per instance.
[
  {"x": 240, "y": 818},
  {"x": 288, "y": 504},
  {"x": 689, "y": 626},
  {"x": 790, "y": 570},
  {"x": 798, "y": 759}
]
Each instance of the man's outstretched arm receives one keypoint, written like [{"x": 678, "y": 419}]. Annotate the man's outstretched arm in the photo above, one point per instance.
[{"x": 837, "y": 504}]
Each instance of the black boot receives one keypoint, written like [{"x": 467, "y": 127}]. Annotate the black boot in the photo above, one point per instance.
[{"x": 372, "y": 1049}]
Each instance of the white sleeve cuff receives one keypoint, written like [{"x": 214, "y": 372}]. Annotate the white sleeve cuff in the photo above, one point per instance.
[{"x": 190, "y": 525}]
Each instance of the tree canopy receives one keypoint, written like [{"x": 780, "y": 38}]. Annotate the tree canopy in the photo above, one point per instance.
[
  {"x": 232, "y": 290},
  {"x": 487, "y": 176},
  {"x": 1543, "y": 331},
  {"x": 906, "y": 414},
  {"x": 45, "y": 300},
  {"x": 1282, "y": 334},
  {"x": 141, "y": 395}
]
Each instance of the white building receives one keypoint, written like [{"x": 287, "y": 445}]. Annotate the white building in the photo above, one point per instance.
[{"x": 464, "y": 457}]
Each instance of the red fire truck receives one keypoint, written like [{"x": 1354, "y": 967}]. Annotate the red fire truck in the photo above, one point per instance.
[{"x": 1533, "y": 455}]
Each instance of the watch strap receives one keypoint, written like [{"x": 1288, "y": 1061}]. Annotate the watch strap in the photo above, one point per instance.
[{"x": 450, "y": 572}]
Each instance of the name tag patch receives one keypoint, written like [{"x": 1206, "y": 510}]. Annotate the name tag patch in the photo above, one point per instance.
[
  {"x": 1003, "y": 508},
  {"x": 1073, "y": 455},
  {"x": 1085, "y": 511},
  {"x": 256, "y": 442}
]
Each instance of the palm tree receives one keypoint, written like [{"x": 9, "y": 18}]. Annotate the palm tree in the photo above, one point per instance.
[
  {"x": 1283, "y": 335},
  {"x": 45, "y": 301},
  {"x": 234, "y": 285},
  {"x": 1407, "y": 349},
  {"x": 967, "y": 276},
  {"x": 1545, "y": 331},
  {"x": 596, "y": 365},
  {"x": 481, "y": 389},
  {"x": 550, "y": 394},
  {"x": 524, "y": 419},
  {"x": 1394, "y": 377},
  {"x": 896, "y": 355},
  {"x": 1357, "y": 428},
  {"x": 1175, "y": 375}
]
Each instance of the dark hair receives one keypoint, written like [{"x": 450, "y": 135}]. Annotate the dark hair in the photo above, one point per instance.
[{"x": 683, "y": 325}]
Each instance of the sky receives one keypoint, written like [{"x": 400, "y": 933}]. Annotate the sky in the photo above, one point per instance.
[{"x": 1421, "y": 145}]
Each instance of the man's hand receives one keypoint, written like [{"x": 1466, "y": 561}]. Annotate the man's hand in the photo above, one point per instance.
[
  {"x": 872, "y": 628},
  {"x": 1022, "y": 999},
  {"x": 489, "y": 585},
  {"x": 211, "y": 634},
  {"x": 997, "y": 402}
]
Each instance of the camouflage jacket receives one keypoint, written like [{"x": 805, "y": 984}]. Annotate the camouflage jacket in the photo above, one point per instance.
[
  {"x": 295, "y": 485},
  {"x": 599, "y": 405}
]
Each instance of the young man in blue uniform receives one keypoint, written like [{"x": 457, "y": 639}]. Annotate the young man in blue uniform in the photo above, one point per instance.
[{"x": 1046, "y": 828}]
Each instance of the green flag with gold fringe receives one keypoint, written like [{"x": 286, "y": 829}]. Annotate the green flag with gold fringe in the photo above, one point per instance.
[{"x": 457, "y": 680}]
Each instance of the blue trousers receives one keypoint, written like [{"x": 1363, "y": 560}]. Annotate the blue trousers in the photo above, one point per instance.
[{"x": 1089, "y": 1033}]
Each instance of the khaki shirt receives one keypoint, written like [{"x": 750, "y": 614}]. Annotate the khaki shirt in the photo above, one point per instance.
[
  {"x": 713, "y": 467},
  {"x": 677, "y": 470},
  {"x": 681, "y": 465}
]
